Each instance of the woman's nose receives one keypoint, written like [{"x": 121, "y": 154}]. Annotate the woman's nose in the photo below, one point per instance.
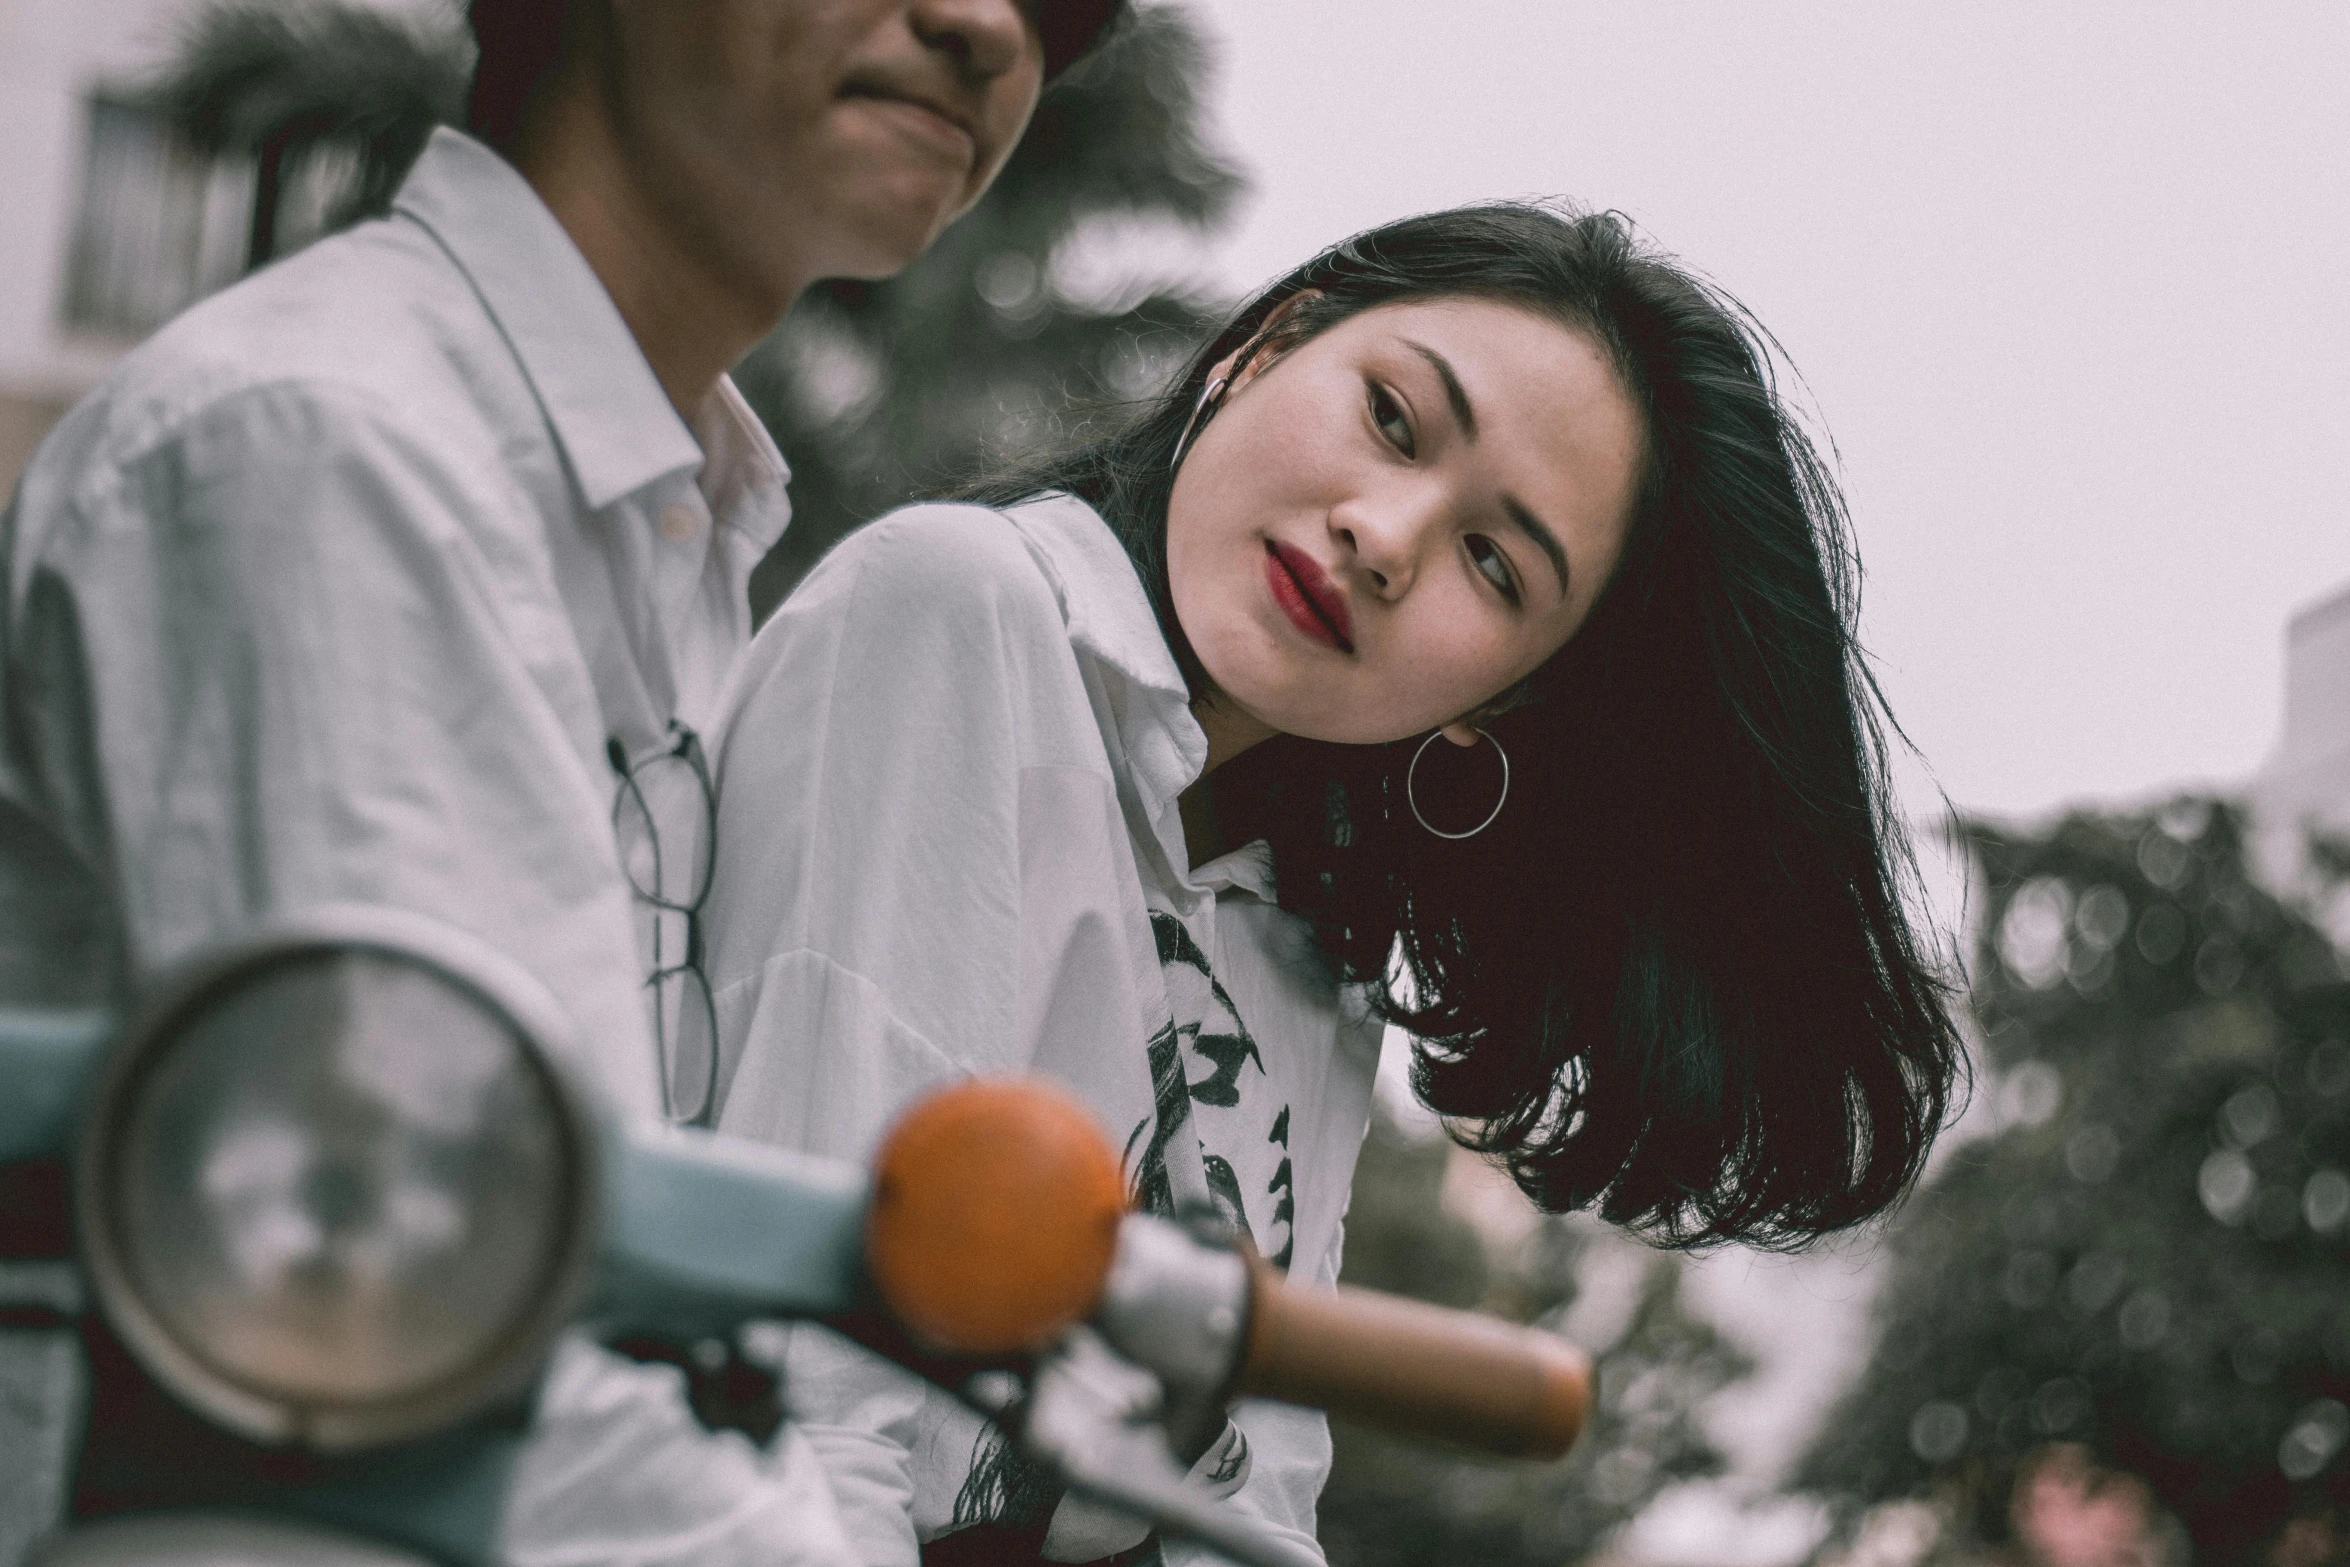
[
  {"x": 1385, "y": 542},
  {"x": 985, "y": 38}
]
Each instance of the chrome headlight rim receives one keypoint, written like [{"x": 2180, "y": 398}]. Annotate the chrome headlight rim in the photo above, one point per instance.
[{"x": 507, "y": 1366}]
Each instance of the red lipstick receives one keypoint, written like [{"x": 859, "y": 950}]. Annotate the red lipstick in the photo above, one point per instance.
[{"x": 1313, "y": 603}]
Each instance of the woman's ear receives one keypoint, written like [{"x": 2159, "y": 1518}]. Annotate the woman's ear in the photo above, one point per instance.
[
  {"x": 1265, "y": 345},
  {"x": 1464, "y": 731}
]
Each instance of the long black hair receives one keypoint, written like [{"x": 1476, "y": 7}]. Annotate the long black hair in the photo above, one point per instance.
[{"x": 1674, "y": 978}]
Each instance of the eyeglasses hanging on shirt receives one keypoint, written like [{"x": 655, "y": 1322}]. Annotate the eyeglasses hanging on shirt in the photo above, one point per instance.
[{"x": 670, "y": 876}]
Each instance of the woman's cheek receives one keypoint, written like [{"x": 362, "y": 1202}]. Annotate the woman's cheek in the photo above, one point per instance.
[{"x": 1457, "y": 672}]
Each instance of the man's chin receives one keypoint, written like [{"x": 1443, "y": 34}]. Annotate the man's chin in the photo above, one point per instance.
[
  {"x": 885, "y": 244},
  {"x": 884, "y": 208}
]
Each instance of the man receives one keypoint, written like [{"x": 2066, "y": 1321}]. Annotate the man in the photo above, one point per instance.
[{"x": 405, "y": 571}]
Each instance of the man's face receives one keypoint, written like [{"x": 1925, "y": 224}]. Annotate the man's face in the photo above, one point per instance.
[{"x": 804, "y": 139}]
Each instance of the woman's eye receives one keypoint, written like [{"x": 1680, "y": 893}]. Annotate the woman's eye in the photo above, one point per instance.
[
  {"x": 1388, "y": 415},
  {"x": 1494, "y": 565}
]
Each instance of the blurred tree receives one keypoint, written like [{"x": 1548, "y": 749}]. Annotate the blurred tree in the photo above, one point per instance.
[
  {"x": 330, "y": 101},
  {"x": 882, "y": 392},
  {"x": 1393, "y": 1503},
  {"x": 2149, "y": 1258}
]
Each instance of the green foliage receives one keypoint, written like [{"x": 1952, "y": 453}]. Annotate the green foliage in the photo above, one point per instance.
[
  {"x": 880, "y": 393},
  {"x": 2150, "y": 1257},
  {"x": 1395, "y": 1503}
]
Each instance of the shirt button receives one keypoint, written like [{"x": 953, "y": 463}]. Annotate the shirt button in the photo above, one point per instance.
[{"x": 679, "y": 525}]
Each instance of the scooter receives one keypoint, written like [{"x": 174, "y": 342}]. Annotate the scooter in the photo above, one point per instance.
[{"x": 320, "y": 1212}]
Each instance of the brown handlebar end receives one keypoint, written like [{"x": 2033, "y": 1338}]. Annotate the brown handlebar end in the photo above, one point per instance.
[
  {"x": 994, "y": 1216},
  {"x": 1416, "y": 1369}
]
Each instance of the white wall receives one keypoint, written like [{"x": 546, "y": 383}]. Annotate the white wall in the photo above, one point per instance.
[
  {"x": 51, "y": 53},
  {"x": 2305, "y": 783}
]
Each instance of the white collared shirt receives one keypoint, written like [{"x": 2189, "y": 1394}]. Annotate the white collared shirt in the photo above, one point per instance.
[
  {"x": 950, "y": 843},
  {"x": 337, "y": 590}
]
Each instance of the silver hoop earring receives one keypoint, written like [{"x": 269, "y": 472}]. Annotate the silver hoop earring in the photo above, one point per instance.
[
  {"x": 1209, "y": 396},
  {"x": 1413, "y": 802}
]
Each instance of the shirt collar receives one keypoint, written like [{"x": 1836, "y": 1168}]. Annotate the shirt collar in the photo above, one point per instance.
[
  {"x": 1110, "y": 616},
  {"x": 1112, "y": 624},
  {"x": 744, "y": 476},
  {"x": 616, "y": 426},
  {"x": 1248, "y": 869}
]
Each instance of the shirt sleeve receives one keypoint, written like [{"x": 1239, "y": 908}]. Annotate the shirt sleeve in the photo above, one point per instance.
[
  {"x": 922, "y": 874},
  {"x": 618, "y": 1474},
  {"x": 263, "y": 666},
  {"x": 921, "y": 869}
]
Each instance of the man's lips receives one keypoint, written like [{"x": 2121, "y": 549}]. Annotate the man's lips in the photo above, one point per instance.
[
  {"x": 940, "y": 121},
  {"x": 1313, "y": 603}
]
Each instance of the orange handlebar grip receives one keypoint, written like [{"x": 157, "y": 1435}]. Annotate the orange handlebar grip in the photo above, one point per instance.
[
  {"x": 1416, "y": 1369},
  {"x": 994, "y": 1216}
]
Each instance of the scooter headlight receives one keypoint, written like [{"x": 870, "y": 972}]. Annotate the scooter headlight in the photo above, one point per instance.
[{"x": 333, "y": 1192}]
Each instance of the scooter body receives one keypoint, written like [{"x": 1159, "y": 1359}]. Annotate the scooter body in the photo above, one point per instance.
[{"x": 317, "y": 1217}]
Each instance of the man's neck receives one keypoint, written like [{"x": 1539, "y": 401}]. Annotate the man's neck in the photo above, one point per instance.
[{"x": 691, "y": 316}]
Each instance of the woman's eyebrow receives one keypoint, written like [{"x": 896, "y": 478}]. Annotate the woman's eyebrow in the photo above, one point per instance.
[
  {"x": 1465, "y": 416},
  {"x": 1546, "y": 541},
  {"x": 1454, "y": 393}
]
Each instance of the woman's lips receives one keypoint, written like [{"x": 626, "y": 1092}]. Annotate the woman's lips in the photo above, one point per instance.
[{"x": 1307, "y": 596}]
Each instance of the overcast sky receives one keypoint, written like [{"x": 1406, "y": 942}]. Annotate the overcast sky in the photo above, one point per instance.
[{"x": 2065, "y": 282}]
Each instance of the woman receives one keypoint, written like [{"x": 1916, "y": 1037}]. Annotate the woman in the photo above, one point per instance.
[{"x": 1128, "y": 771}]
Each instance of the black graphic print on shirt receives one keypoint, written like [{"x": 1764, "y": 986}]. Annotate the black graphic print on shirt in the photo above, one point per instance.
[
  {"x": 1171, "y": 1112},
  {"x": 1208, "y": 1080},
  {"x": 1243, "y": 1130},
  {"x": 1005, "y": 1487}
]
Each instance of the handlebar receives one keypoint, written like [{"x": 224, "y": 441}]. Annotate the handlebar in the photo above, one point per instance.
[
  {"x": 996, "y": 1225},
  {"x": 1414, "y": 1368}
]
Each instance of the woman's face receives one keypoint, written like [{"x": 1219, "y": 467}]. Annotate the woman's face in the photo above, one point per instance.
[{"x": 1393, "y": 523}]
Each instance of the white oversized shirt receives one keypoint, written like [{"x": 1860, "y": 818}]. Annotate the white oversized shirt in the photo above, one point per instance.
[
  {"x": 338, "y": 590},
  {"x": 949, "y": 844}
]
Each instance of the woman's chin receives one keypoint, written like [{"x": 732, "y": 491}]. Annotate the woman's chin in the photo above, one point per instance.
[{"x": 1316, "y": 720}]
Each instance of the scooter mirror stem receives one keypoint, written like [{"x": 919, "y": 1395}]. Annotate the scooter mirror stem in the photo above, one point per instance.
[{"x": 702, "y": 1231}]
